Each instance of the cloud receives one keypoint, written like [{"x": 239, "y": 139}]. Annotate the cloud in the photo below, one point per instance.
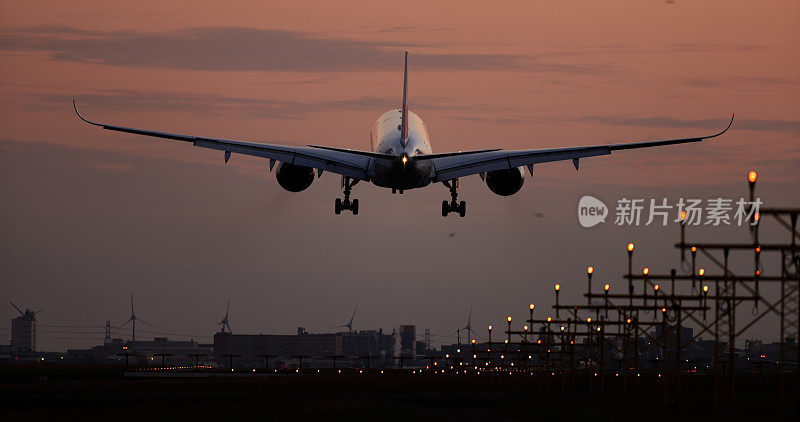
[
  {"x": 251, "y": 49},
  {"x": 209, "y": 104},
  {"x": 760, "y": 125},
  {"x": 112, "y": 166},
  {"x": 743, "y": 83},
  {"x": 713, "y": 48}
]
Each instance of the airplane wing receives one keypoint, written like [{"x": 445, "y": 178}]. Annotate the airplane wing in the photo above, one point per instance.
[
  {"x": 354, "y": 164},
  {"x": 451, "y": 167}
]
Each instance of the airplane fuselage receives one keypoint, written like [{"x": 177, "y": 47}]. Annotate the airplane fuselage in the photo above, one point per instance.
[{"x": 405, "y": 172}]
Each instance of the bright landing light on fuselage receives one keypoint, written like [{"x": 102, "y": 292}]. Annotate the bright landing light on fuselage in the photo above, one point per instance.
[{"x": 404, "y": 159}]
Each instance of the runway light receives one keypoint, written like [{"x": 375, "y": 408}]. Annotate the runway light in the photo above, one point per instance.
[
  {"x": 509, "y": 318},
  {"x": 664, "y": 310},
  {"x": 630, "y": 247},
  {"x": 645, "y": 270},
  {"x": 701, "y": 272},
  {"x": 549, "y": 319},
  {"x": 758, "y": 249},
  {"x": 694, "y": 248},
  {"x": 589, "y": 319},
  {"x": 490, "y": 328},
  {"x": 752, "y": 176},
  {"x": 705, "y": 289},
  {"x": 525, "y": 328},
  {"x": 606, "y": 287},
  {"x": 531, "y": 306},
  {"x": 589, "y": 270},
  {"x": 557, "y": 287},
  {"x": 655, "y": 288},
  {"x": 683, "y": 215}
]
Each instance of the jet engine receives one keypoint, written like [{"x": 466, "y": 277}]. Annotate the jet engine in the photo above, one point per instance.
[
  {"x": 505, "y": 182},
  {"x": 294, "y": 178}
]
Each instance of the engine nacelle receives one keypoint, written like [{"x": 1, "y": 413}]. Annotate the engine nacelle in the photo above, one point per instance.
[
  {"x": 294, "y": 178},
  {"x": 505, "y": 182}
]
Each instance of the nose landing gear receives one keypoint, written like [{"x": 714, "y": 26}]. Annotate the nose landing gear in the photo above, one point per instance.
[
  {"x": 453, "y": 205},
  {"x": 346, "y": 203}
]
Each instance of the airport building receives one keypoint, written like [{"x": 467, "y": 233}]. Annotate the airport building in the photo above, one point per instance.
[
  {"x": 250, "y": 350},
  {"x": 144, "y": 352}
]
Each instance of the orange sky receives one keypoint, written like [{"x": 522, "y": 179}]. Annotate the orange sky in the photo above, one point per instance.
[{"x": 482, "y": 74}]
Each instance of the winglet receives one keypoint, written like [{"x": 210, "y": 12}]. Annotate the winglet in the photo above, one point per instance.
[
  {"x": 726, "y": 129},
  {"x": 404, "y": 111},
  {"x": 81, "y": 117}
]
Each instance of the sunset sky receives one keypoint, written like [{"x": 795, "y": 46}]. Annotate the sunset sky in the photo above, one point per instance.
[{"x": 89, "y": 216}]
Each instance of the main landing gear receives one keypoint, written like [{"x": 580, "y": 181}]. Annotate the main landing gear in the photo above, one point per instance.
[
  {"x": 453, "y": 205},
  {"x": 346, "y": 203}
]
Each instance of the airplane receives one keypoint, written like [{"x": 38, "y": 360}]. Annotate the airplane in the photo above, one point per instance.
[{"x": 400, "y": 158}]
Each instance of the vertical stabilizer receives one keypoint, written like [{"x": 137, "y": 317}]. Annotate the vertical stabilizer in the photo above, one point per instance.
[{"x": 404, "y": 122}]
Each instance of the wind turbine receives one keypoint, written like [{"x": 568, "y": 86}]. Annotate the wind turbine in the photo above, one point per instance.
[
  {"x": 224, "y": 322},
  {"x": 469, "y": 327},
  {"x": 349, "y": 325},
  {"x": 132, "y": 320}
]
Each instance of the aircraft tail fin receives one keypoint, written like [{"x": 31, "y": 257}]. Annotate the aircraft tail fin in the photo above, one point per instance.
[{"x": 404, "y": 121}]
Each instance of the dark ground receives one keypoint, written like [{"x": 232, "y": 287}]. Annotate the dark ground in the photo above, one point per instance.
[{"x": 93, "y": 392}]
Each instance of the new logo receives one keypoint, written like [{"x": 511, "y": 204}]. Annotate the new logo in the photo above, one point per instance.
[{"x": 591, "y": 211}]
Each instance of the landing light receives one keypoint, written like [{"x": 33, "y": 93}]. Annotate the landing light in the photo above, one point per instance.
[{"x": 405, "y": 159}]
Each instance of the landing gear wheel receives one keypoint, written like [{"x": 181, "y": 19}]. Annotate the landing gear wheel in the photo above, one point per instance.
[
  {"x": 346, "y": 203},
  {"x": 453, "y": 205}
]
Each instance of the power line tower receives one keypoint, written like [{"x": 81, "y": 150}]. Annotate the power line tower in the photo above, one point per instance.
[{"x": 427, "y": 340}]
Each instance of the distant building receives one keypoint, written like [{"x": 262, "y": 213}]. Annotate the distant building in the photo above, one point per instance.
[
  {"x": 179, "y": 351},
  {"x": 249, "y": 346},
  {"x": 422, "y": 348},
  {"x": 700, "y": 353},
  {"x": 23, "y": 332},
  {"x": 407, "y": 336},
  {"x": 364, "y": 343},
  {"x": 286, "y": 348},
  {"x": 146, "y": 352}
]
